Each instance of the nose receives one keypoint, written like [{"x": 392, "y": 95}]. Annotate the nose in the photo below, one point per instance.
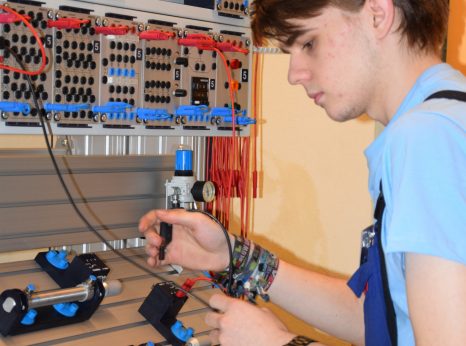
[{"x": 298, "y": 70}]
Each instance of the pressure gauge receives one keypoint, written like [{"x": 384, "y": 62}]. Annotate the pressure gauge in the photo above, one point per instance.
[{"x": 203, "y": 191}]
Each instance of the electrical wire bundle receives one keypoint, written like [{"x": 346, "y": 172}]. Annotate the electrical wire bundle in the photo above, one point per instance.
[{"x": 229, "y": 165}]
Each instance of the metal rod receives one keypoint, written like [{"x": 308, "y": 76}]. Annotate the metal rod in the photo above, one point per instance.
[{"x": 65, "y": 295}]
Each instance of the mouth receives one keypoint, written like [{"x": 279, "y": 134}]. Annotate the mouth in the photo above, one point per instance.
[{"x": 316, "y": 97}]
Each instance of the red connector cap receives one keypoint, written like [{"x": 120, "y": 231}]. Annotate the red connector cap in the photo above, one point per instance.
[
  {"x": 235, "y": 64},
  {"x": 188, "y": 284},
  {"x": 200, "y": 41},
  {"x": 156, "y": 35},
  {"x": 6, "y": 18},
  {"x": 229, "y": 47},
  {"x": 67, "y": 23},
  {"x": 112, "y": 30}
]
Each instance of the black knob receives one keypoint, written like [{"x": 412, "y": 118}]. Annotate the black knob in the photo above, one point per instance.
[
  {"x": 181, "y": 61},
  {"x": 180, "y": 93}
]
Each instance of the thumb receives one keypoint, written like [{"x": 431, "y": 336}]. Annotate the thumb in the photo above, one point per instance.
[{"x": 178, "y": 217}]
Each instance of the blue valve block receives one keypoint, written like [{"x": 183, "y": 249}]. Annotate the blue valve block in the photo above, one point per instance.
[
  {"x": 57, "y": 259},
  {"x": 16, "y": 107},
  {"x": 112, "y": 107},
  {"x": 121, "y": 72},
  {"x": 182, "y": 333},
  {"x": 67, "y": 309},
  {"x": 57, "y": 107},
  {"x": 152, "y": 114}
]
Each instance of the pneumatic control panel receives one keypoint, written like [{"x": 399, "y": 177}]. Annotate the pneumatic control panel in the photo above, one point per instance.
[{"x": 108, "y": 70}]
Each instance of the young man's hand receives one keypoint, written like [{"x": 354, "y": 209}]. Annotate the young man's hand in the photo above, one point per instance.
[
  {"x": 197, "y": 243},
  {"x": 241, "y": 323}
]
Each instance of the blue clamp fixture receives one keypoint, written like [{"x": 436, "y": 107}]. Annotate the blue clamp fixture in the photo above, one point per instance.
[
  {"x": 112, "y": 107},
  {"x": 240, "y": 120},
  {"x": 31, "y": 288},
  {"x": 16, "y": 107},
  {"x": 66, "y": 309},
  {"x": 152, "y": 114},
  {"x": 192, "y": 110},
  {"x": 221, "y": 112},
  {"x": 29, "y": 318},
  {"x": 182, "y": 333},
  {"x": 57, "y": 259},
  {"x": 51, "y": 107}
]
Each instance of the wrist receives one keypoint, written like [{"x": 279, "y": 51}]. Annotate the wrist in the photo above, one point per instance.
[{"x": 254, "y": 269}]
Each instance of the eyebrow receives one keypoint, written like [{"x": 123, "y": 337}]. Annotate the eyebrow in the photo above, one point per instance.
[{"x": 292, "y": 38}]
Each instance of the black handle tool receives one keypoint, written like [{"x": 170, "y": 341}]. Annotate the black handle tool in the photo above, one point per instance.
[{"x": 166, "y": 231}]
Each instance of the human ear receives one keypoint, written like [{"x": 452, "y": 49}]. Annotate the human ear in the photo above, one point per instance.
[{"x": 382, "y": 13}]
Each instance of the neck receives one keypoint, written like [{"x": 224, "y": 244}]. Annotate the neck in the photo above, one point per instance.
[{"x": 398, "y": 75}]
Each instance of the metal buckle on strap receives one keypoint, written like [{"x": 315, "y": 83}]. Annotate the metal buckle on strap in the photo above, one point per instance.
[{"x": 367, "y": 240}]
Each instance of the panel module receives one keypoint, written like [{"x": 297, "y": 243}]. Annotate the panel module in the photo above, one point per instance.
[
  {"x": 232, "y": 7},
  {"x": 160, "y": 49},
  {"x": 76, "y": 68},
  {"x": 236, "y": 49},
  {"x": 14, "y": 88},
  {"x": 121, "y": 58}
]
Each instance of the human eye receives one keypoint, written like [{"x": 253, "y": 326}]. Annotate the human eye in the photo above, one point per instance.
[{"x": 309, "y": 45}]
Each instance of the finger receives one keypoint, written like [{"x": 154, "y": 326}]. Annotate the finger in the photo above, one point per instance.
[
  {"x": 179, "y": 217},
  {"x": 212, "y": 319},
  {"x": 220, "y": 302},
  {"x": 152, "y": 251},
  {"x": 148, "y": 220},
  {"x": 153, "y": 239}
]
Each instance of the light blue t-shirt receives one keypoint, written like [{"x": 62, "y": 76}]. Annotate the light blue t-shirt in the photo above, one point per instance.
[{"x": 421, "y": 158}]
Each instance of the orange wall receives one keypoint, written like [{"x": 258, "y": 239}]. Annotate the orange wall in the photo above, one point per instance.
[{"x": 456, "y": 46}]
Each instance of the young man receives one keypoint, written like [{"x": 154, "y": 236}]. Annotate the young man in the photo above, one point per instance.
[{"x": 380, "y": 57}]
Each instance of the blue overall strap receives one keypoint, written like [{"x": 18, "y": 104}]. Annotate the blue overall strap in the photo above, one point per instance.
[
  {"x": 371, "y": 279},
  {"x": 390, "y": 310},
  {"x": 448, "y": 94}
]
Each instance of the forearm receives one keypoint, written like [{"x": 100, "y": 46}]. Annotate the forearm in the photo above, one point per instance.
[{"x": 324, "y": 302}]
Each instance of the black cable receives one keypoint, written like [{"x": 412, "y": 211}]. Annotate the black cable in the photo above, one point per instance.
[
  {"x": 72, "y": 202},
  {"x": 230, "y": 248}
]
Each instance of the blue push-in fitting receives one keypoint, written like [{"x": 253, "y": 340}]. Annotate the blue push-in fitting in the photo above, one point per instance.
[
  {"x": 57, "y": 259},
  {"x": 112, "y": 107},
  {"x": 220, "y": 112},
  {"x": 152, "y": 114},
  {"x": 16, "y": 107},
  {"x": 193, "y": 111},
  {"x": 67, "y": 309},
  {"x": 51, "y": 107},
  {"x": 31, "y": 287},
  {"x": 182, "y": 333},
  {"x": 240, "y": 120},
  {"x": 150, "y": 343},
  {"x": 29, "y": 318}
]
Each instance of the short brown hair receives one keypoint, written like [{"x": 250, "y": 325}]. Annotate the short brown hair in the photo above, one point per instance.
[{"x": 423, "y": 22}]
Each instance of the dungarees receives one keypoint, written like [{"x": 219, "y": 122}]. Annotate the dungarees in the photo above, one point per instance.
[{"x": 371, "y": 277}]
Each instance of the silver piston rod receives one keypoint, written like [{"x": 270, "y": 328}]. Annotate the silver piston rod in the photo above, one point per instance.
[{"x": 80, "y": 293}]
